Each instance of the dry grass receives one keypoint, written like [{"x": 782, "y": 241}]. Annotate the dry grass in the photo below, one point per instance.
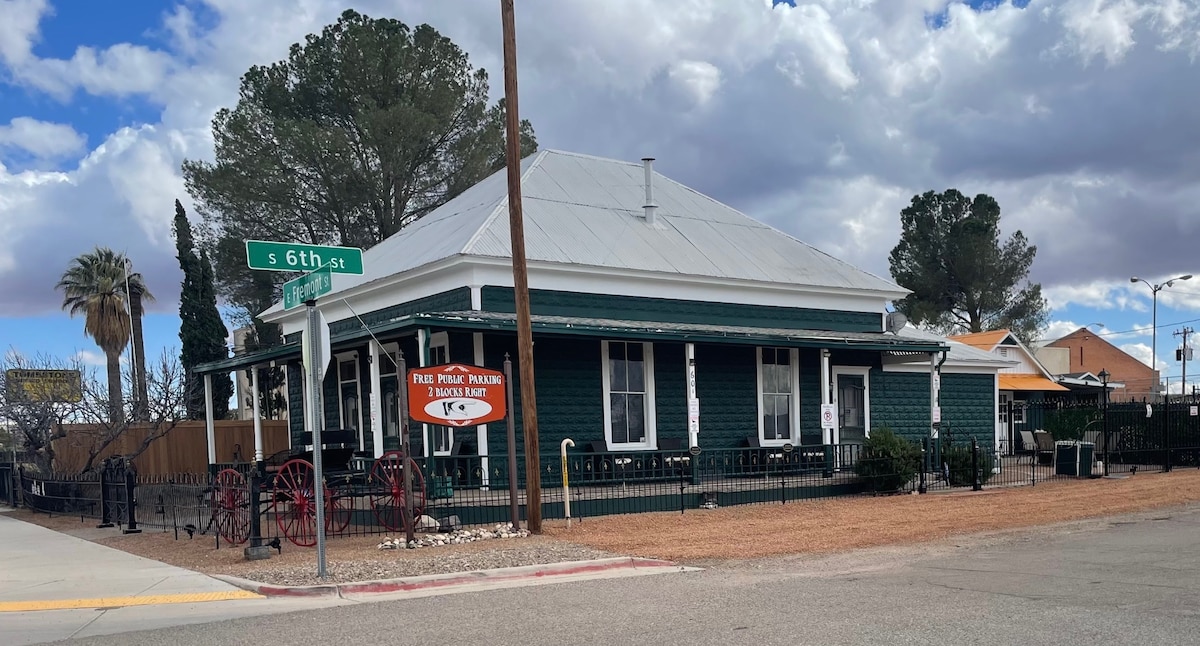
[
  {"x": 805, "y": 527},
  {"x": 835, "y": 524}
]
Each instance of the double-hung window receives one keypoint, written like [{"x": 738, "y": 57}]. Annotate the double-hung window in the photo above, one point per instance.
[
  {"x": 629, "y": 395},
  {"x": 778, "y": 396}
]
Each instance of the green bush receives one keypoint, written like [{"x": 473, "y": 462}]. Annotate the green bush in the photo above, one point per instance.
[
  {"x": 958, "y": 463},
  {"x": 887, "y": 462}
]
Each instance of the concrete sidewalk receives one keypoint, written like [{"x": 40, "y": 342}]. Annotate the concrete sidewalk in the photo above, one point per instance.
[{"x": 44, "y": 569}]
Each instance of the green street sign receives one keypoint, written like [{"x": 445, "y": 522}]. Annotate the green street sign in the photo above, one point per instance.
[
  {"x": 293, "y": 256},
  {"x": 307, "y": 287}
]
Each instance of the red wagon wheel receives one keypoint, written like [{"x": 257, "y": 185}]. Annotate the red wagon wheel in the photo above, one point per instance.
[
  {"x": 295, "y": 511},
  {"x": 387, "y": 489},
  {"x": 231, "y": 506}
]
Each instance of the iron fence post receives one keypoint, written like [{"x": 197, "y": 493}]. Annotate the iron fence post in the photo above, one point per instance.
[
  {"x": 130, "y": 501},
  {"x": 1166, "y": 424},
  {"x": 21, "y": 485},
  {"x": 682, "y": 487},
  {"x": 922, "y": 488},
  {"x": 105, "y": 517},
  {"x": 255, "y": 520},
  {"x": 977, "y": 485}
]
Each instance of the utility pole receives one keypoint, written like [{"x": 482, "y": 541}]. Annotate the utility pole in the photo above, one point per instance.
[
  {"x": 1183, "y": 356},
  {"x": 533, "y": 471}
]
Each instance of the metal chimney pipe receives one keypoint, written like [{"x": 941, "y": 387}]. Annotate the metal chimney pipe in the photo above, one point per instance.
[{"x": 650, "y": 207}]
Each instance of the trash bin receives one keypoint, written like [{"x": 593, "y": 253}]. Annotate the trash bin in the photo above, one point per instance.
[{"x": 1073, "y": 458}]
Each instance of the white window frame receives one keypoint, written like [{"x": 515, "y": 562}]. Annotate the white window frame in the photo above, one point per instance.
[
  {"x": 341, "y": 358},
  {"x": 650, "y": 417},
  {"x": 794, "y": 408},
  {"x": 440, "y": 340}
]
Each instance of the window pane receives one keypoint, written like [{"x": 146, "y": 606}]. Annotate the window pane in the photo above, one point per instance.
[
  {"x": 634, "y": 351},
  {"x": 616, "y": 375},
  {"x": 620, "y": 424},
  {"x": 636, "y": 371},
  {"x": 783, "y": 417},
  {"x": 782, "y": 356},
  {"x": 346, "y": 370},
  {"x": 636, "y": 412},
  {"x": 768, "y": 374}
]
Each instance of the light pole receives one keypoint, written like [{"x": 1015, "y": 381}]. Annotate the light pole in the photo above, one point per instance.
[{"x": 1154, "y": 290}]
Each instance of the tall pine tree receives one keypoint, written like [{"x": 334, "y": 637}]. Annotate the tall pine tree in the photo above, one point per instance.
[{"x": 202, "y": 333}]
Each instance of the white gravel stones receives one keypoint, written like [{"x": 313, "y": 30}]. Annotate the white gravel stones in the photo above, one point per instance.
[{"x": 457, "y": 537}]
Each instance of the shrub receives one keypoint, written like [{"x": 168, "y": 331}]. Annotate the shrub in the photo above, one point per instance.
[
  {"x": 887, "y": 462},
  {"x": 958, "y": 463}
]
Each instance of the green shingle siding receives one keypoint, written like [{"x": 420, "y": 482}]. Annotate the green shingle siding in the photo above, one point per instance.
[
  {"x": 968, "y": 407},
  {"x": 295, "y": 381},
  {"x": 636, "y": 308},
  {"x": 727, "y": 386},
  {"x": 900, "y": 401},
  {"x": 455, "y": 300},
  {"x": 670, "y": 392}
]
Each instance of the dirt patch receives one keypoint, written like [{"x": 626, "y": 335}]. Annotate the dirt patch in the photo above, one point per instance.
[
  {"x": 743, "y": 532},
  {"x": 836, "y": 524}
]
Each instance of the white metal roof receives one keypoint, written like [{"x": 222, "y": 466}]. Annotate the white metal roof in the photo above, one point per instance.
[{"x": 588, "y": 211}]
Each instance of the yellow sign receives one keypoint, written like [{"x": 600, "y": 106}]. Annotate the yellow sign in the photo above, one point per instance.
[{"x": 43, "y": 385}]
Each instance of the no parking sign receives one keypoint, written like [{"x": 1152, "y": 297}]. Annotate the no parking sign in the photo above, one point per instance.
[{"x": 828, "y": 416}]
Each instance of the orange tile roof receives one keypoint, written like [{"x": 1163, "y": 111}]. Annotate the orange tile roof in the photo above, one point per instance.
[
  {"x": 982, "y": 340},
  {"x": 1010, "y": 381}
]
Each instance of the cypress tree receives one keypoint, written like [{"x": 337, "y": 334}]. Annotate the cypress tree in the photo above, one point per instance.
[{"x": 202, "y": 333}]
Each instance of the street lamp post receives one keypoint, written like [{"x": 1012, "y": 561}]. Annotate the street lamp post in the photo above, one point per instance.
[{"x": 1154, "y": 290}]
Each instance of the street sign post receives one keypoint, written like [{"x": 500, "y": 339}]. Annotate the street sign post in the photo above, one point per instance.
[
  {"x": 307, "y": 288},
  {"x": 456, "y": 395},
  {"x": 292, "y": 256}
]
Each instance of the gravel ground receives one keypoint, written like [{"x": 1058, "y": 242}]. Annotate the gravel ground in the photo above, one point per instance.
[{"x": 700, "y": 537}]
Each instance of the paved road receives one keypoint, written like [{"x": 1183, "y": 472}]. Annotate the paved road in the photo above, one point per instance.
[{"x": 1130, "y": 581}]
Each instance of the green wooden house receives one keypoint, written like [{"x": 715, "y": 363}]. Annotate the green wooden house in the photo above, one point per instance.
[{"x": 662, "y": 319}]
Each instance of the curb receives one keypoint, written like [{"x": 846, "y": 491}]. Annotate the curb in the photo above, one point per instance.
[{"x": 437, "y": 581}]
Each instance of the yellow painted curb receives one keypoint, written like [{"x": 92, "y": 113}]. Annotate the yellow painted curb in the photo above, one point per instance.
[{"x": 121, "y": 602}]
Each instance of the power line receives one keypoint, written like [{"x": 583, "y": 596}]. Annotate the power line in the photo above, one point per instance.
[{"x": 1143, "y": 330}]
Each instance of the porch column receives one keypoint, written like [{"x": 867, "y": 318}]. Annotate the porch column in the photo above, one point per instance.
[
  {"x": 693, "y": 403},
  {"x": 258, "y": 436},
  {"x": 209, "y": 425},
  {"x": 422, "y": 362},
  {"x": 826, "y": 394},
  {"x": 935, "y": 388},
  {"x": 374, "y": 350},
  {"x": 482, "y": 430}
]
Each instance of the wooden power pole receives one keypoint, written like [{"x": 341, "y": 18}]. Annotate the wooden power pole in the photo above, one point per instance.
[{"x": 533, "y": 484}]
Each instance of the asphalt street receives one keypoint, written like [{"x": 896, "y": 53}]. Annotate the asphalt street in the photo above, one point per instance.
[{"x": 1133, "y": 580}]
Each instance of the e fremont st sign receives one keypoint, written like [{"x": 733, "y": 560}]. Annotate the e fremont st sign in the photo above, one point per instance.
[{"x": 456, "y": 395}]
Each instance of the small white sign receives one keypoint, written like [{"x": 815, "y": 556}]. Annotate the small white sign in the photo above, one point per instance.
[
  {"x": 1195, "y": 411},
  {"x": 693, "y": 415},
  {"x": 937, "y": 414},
  {"x": 1149, "y": 410},
  {"x": 828, "y": 416}
]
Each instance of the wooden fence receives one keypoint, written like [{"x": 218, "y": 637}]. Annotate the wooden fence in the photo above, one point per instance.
[{"x": 183, "y": 450}]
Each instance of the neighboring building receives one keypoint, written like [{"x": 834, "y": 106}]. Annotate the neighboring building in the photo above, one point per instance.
[
  {"x": 632, "y": 287},
  {"x": 1022, "y": 386},
  {"x": 1088, "y": 352}
]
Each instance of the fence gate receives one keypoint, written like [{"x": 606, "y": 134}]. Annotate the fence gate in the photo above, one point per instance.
[{"x": 117, "y": 503}]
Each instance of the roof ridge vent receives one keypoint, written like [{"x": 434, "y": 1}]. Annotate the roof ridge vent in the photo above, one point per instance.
[{"x": 650, "y": 207}]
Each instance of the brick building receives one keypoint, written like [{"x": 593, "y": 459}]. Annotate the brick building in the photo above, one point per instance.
[{"x": 1089, "y": 352}]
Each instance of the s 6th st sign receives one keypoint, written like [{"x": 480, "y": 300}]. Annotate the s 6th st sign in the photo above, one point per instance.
[{"x": 291, "y": 256}]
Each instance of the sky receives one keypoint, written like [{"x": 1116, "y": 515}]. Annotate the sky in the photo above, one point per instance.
[{"x": 822, "y": 118}]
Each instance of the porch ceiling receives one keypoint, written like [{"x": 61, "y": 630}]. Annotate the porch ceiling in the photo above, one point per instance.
[{"x": 616, "y": 328}]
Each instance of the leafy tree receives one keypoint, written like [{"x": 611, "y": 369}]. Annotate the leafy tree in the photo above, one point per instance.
[
  {"x": 362, "y": 130},
  {"x": 961, "y": 277},
  {"x": 94, "y": 285},
  {"x": 46, "y": 430},
  {"x": 201, "y": 330}
]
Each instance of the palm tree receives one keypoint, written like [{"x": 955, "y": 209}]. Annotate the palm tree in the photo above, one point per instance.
[
  {"x": 94, "y": 285},
  {"x": 137, "y": 295}
]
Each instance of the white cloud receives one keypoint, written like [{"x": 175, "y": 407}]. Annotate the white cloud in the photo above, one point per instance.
[
  {"x": 822, "y": 119},
  {"x": 1141, "y": 352},
  {"x": 41, "y": 139},
  {"x": 96, "y": 358}
]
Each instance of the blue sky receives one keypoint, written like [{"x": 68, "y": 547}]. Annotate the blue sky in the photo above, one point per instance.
[{"x": 857, "y": 108}]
